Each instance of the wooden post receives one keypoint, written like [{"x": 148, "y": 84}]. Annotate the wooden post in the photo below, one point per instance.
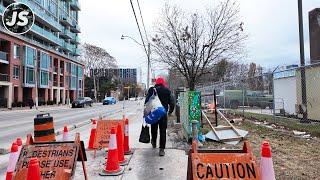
[{"x": 77, "y": 140}]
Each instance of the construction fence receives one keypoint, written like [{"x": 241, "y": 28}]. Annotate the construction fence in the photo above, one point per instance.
[{"x": 277, "y": 93}]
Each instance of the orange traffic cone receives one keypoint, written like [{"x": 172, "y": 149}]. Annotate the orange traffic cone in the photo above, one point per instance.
[
  {"x": 19, "y": 143},
  {"x": 122, "y": 160},
  {"x": 112, "y": 166},
  {"x": 266, "y": 164},
  {"x": 92, "y": 134},
  {"x": 12, "y": 161},
  {"x": 65, "y": 136},
  {"x": 33, "y": 170},
  {"x": 126, "y": 148}
]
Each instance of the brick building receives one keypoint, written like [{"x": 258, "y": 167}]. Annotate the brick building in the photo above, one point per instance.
[{"x": 52, "y": 46}]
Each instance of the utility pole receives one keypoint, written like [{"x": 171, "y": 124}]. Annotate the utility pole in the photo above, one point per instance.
[
  {"x": 302, "y": 66},
  {"x": 36, "y": 79},
  {"x": 148, "y": 76}
]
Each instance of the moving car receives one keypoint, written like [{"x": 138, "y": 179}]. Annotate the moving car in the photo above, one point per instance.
[
  {"x": 82, "y": 102},
  {"x": 109, "y": 100}
]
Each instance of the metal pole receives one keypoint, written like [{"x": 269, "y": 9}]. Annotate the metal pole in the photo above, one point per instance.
[
  {"x": 215, "y": 107},
  {"x": 243, "y": 99},
  {"x": 274, "y": 103},
  {"x": 194, "y": 130},
  {"x": 148, "y": 76},
  {"x": 302, "y": 64},
  {"x": 36, "y": 79}
]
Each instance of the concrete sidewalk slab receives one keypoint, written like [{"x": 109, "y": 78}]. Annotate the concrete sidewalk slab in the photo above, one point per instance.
[{"x": 147, "y": 164}]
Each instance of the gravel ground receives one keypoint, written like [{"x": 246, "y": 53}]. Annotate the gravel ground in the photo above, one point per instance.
[{"x": 293, "y": 157}]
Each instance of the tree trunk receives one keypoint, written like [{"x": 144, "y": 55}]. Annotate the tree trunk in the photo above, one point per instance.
[
  {"x": 95, "y": 88},
  {"x": 191, "y": 84}
]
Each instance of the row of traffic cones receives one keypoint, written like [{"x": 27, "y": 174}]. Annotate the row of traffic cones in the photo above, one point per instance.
[
  {"x": 116, "y": 152},
  {"x": 126, "y": 147}
]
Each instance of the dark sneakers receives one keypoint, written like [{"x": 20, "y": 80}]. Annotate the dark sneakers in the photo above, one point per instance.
[
  {"x": 161, "y": 152},
  {"x": 154, "y": 144}
]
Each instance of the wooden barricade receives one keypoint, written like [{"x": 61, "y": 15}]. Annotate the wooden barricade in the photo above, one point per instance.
[
  {"x": 222, "y": 164},
  {"x": 57, "y": 160}
]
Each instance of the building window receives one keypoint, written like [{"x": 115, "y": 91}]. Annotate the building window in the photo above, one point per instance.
[
  {"x": 16, "y": 72},
  {"x": 44, "y": 60},
  {"x": 16, "y": 51},
  {"x": 44, "y": 77},
  {"x": 30, "y": 75},
  {"x": 30, "y": 55},
  {"x": 50, "y": 62}
]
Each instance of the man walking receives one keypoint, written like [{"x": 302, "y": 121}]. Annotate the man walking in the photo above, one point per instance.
[{"x": 167, "y": 102}]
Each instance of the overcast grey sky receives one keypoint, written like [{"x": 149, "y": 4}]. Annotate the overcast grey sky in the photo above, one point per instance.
[{"x": 272, "y": 26}]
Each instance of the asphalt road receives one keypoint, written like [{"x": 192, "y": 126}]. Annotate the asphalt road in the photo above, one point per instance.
[{"x": 18, "y": 123}]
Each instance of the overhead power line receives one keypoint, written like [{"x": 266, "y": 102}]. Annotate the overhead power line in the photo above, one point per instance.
[
  {"x": 143, "y": 21},
  {"x": 135, "y": 16}
]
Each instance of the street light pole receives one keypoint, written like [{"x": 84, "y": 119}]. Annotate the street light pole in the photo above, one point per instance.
[
  {"x": 302, "y": 65},
  {"x": 148, "y": 76},
  {"x": 148, "y": 57},
  {"x": 36, "y": 80}
]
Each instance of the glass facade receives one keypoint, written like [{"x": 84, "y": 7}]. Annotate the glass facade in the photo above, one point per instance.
[
  {"x": 44, "y": 60},
  {"x": 44, "y": 78},
  {"x": 29, "y": 75},
  {"x": 30, "y": 56}
]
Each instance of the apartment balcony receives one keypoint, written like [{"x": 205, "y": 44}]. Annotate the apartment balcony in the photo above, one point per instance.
[
  {"x": 61, "y": 71},
  {"x": 43, "y": 15},
  {"x": 55, "y": 69},
  {"x": 75, "y": 28},
  {"x": 55, "y": 83},
  {"x": 74, "y": 5},
  {"x": 75, "y": 39},
  {"x": 4, "y": 57},
  {"x": 76, "y": 52},
  {"x": 65, "y": 19},
  {"x": 4, "y": 77},
  {"x": 45, "y": 35},
  {"x": 66, "y": 34},
  {"x": 66, "y": 46}
]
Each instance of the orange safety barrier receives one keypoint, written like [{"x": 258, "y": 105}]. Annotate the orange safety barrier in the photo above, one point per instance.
[{"x": 44, "y": 128}]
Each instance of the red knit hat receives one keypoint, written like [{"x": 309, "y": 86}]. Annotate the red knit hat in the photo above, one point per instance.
[{"x": 160, "y": 81}]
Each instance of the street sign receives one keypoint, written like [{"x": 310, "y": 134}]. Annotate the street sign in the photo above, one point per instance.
[
  {"x": 223, "y": 164},
  {"x": 103, "y": 132},
  {"x": 54, "y": 160}
]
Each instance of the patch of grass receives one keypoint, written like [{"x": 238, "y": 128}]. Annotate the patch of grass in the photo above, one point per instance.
[{"x": 289, "y": 123}]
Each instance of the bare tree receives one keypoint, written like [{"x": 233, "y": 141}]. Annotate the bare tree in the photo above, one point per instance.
[
  {"x": 95, "y": 58},
  {"x": 192, "y": 43}
]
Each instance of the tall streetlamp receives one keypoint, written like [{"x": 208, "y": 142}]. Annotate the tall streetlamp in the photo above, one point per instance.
[
  {"x": 148, "y": 57},
  {"x": 302, "y": 66}
]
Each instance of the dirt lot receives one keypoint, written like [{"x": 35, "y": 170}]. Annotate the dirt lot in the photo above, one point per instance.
[{"x": 293, "y": 157}]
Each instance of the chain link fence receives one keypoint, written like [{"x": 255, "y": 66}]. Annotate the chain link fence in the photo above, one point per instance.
[{"x": 276, "y": 93}]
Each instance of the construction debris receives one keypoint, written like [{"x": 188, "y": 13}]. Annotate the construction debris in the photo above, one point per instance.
[{"x": 226, "y": 134}]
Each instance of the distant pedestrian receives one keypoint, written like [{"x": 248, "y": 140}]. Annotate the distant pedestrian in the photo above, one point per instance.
[
  {"x": 31, "y": 103},
  {"x": 167, "y": 102}
]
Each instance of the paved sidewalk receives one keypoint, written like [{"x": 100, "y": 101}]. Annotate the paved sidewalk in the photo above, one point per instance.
[{"x": 145, "y": 163}]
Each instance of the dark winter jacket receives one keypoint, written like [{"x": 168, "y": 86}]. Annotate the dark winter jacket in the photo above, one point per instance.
[{"x": 164, "y": 95}]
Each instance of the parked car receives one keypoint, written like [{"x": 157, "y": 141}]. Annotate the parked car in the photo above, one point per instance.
[
  {"x": 82, "y": 102},
  {"x": 109, "y": 100},
  {"x": 233, "y": 99}
]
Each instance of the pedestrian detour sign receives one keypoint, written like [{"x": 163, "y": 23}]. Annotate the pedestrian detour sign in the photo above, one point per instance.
[
  {"x": 223, "y": 164},
  {"x": 103, "y": 132},
  {"x": 57, "y": 160}
]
